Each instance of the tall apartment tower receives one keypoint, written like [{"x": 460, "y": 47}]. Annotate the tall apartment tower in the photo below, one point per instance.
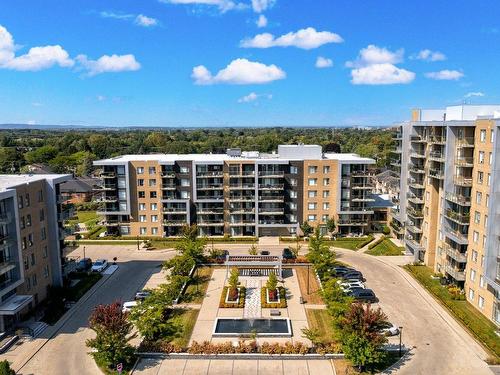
[
  {"x": 449, "y": 206},
  {"x": 236, "y": 193},
  {"x": 31, "y": 239}
]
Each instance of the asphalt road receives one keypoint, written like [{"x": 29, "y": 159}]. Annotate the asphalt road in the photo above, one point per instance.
[
  {"x": 439, "y": 344},
  {"x": 66, "y": 352}
]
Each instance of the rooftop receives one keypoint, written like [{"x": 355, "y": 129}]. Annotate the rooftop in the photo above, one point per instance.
[{"x": 8, "y": 181}]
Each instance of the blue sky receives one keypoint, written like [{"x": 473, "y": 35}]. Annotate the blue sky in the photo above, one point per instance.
[{"x": 211, "y": 63}]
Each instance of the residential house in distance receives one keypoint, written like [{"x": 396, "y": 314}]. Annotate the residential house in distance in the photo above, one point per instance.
[
  {"x": 31, "y": 239},
  {"x": 79, "y": 189},
  {"x": 449, "y": 163},
  {"x": 236, "y": 193}
]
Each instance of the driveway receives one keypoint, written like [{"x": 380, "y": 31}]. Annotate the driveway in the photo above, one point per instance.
[
  {"x": 440, "y": 345},
  {"x": 65, "y": 352}
]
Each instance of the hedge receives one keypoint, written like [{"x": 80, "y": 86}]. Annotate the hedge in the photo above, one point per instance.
[
  {"x": 372, "y": 245},
  {"x": 276, "y": 305},
  {"x": 241, "y": 299}
]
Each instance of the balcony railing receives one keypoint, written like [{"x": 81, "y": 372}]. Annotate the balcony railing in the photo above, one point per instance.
[
  {"x": 271, "y": 174},
  {"x": 168, "y": 186},
  {"x": 455, "y": 254},
  {"x": 242, "y": 222},
  {"x": 437, "y": 156},
  {"x": 465, "y": 142},
  {"x": 416, "y": 139},
  {"x": 108, "y": 175},
  {"x": 463, "y": 181},
  {"x": 242, "y": 198},
  {"x": 174, "y": 223},
  {"x": 415, "y": 213},
  {"x": 460, "y": 237},
  {"x": 417, "y": 169},
  {"x": 271, "y": 186},
  {"x": 417, "y": 155},
  {"x": 456, "y": 273},
  {"x": 414, "y": 244},
  {"x": 210, "y": 174},
  {"x": 462, "y": 219},
  {"x": 353, "y": 221},
  {"x": 242, "y": 174},
  {"x": 171, "y": 210},
  {"x": 436, "y": 173},
  {"x": 464, "y": 161},
  {"x": 242, "y": 186},
  {"x": 210, "y": 187},
  {"x": 458, "y": 199},
  {"x": 5, "y": 217},
  {"x": 168, "y": 174},
  {"x": 439, "y": 139}
]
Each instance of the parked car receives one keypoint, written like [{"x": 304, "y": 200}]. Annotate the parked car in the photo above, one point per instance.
[
  {"x": 287, "y": 254},
  {"x": 99, "y": 265},
  {"x": 348, "y": 290},
  {"x": 127, "y": 306},
  {"x": 265, "y": 252},
  {"x": 353, "y": 275},
  {"x": 346, "y": 284},
  {"x": 84, "y": 265},
  {"x": 339, "y": 271},
  {"x": 390, "y": 330},
  {"x": 142, "y": 295},
  {"x": 366, "y": 295}
]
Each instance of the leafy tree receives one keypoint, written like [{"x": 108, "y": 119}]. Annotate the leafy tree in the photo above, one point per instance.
[
  {"x": 306, "y": 228},
  {"x": 191, "y": 245},
  {"x": 272, "y": 281},
  {"x": 41, "y": 155},
  {"x": 180, "y": 265},
  {"x": 319, "y": 253},
  {"x": 296, "y": 249},
  {"x": 313, "y": 335},
  {"x": 330, "y": 225},
  {"x": 113, "y": 333},
  {"x": 253, "y": 249},
  {"x": 233, "y": 282},
  {"x": 5, "y": 368},
  {"x": 338, "y": 303}
]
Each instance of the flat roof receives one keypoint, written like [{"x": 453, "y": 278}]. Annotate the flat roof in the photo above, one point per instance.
[
  {"x": 14, "y": 304},
  {"x": 8, "y": 181}
]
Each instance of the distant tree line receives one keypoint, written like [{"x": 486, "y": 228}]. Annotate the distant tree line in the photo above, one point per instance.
[{"x": 73, "y": 151}]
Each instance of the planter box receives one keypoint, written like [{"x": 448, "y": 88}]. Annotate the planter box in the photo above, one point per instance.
[
  {"x": 225, "y": 303},
  {"x": 277, "y": 294},
  {"x": 227, "y": 300},
  {"x": 280, "y": 304}
]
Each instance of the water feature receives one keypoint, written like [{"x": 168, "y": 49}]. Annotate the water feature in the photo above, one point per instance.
[{"x": 262, "y": 327}]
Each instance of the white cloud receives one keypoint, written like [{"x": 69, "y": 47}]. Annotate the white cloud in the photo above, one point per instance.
[
  {"x": 253, "y": 97},
  {"x": 36, "y": 104},
  {"x": 472, "y": 94},
  {"x": 117, "y": 16},
  {"x": 238, "y": 72},
  {"x": 307, "y": 38},
  {"x": 376, "y": 66},
  {"x": 108, "y": 64},
  {"x": 260, "y": 6},
  {"x": 223, "y": 5},
  {"x": 261, "y": 21},
  {"x": 323, "y": 62},
  {"x": 445, "y": 75},
  {"x": 145, "y": 21},
  {"x": 430, "y": 56},
  {"x": 37, "y": 58},
  {"x": 100, "y": 98},
  {"x": 381, "y": 74}
]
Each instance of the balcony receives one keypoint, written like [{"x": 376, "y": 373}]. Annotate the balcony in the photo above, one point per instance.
[
  {"x": 243, "y": 174},
  {"x": 168, "y": 174},
  {"x": 242, "y": 198},
  {"x": 436, "y": 173},
  {"x": 241, "y": 186},
  {"x": 396, "y": 163},
  {"x": 271, "y": 211},
  {"x": 210, "y": 187},
  {"x": 465, "y": 142},
  {"x": 417, "y": 155},
  {"x": 456, "y": 273},
  {"x": 276, "y": 174},
  {"x": 437, "y": 156},
  {"x": 168, "y": 187},
  {"x": 457, "y": 236},
  {"x": 462, "y": 219},
  {"x": 398, "y": 136},
  {"x": 105, "y": 187},
  {"x": 242, "y": 211},
  {"x": 418, "y": 214},
  {"x": 361, "y": 186},
  {"x": 417, "y": 170},
  {"x": 210, "y": 223},
  {"x": 5, "y": 218},
  {"x": 271, "y": 186},
  {"x": 362, "y": 173},
  {"x": 108, "y": 175},
  {"x": 210, "y": 174},
  {"x": 414, "y": 244},
  {"x": 415, "y": 184},
  {"x": 436, "y": 139},
  {"x": 458, "y": 199},
  {"x": 174, "y": 223},
  {"x": 463, "y": 161},
  {"x": 210, "y": 211},
  {"x": 414, "y": 229},
  {"x": 241, "y": 222},
  {"x": 462, "y": 181},
  {"x": 397, "y": 150},
  {"x": 107, "y": 199},
  {"x": 353, "y": 221},
  {"x": 67, "y": 212},
  {"x": 417, "y": 139},
  {"x": 271, "y": 222},
  {"x": 416, "y": 200},
  {"x": 455, "y": 254},
  {"x": 362, "y": 199},
  {"x": 176, "y": 211}
]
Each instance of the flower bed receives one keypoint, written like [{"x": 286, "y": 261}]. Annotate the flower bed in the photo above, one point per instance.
[
  {"x": 281, "y": 304},
  {"x": 237, "y": 304}
]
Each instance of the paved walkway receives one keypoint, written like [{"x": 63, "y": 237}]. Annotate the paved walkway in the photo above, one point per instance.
[
  {"x": 234, "y": 367},
  {"x": 252, "y": 299}
]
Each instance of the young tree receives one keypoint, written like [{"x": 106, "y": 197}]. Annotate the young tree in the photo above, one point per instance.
[
  {"x": 179, "y": 265},
  {"x": 113, "y": 333},
  {"x": 313, "y": 335},
  {"x": 233, "y": 283},
  {"x": 336, "y": 300},
  {"x": 306, "y": 228},
  {"x": 330, "y": 225},
  {"x": 319, "y": 253},
  {"x": 296, "y": 249},
  {"x": 253, "y": 249},
  {"x": 5, "y": 368},
  {"x": 271, "y": 285}
]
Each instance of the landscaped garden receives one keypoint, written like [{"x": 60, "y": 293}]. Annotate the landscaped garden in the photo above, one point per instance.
[
  {"x": 350, "y": 243},
  {"x": 478, "y": 325},
  {"x": 384, "y": 246}
]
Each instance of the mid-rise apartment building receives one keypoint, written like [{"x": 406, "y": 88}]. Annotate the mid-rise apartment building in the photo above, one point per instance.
[
  {"x": 449, "y": 201},
  {"x": 236, "y": 193},
  {"x": 31, "y": 239}
]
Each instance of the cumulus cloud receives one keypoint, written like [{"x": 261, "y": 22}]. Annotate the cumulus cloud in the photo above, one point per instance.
[
  {"x": 445, "y": 75},
  {"x": 37, "y": 58},
  {"x": 376, "y": 66},
  {"x": 307, "y": 38},
  {"x": 108, "y": 64},
  {"x": 323, "y": 62},
  {"x": 140, "y": 19},
  {"x": 259, "y": 6},
  {"x": 253, "y": 97},
  {"x": 223, "y": 5},
  {"x": 238, "y": 72},
  {"x": 472, "y": 94},
  {"x": 116, "y": 16},
  {"x": 145, "y": 21},
  {"x": 429, "y": 56},
  {"x": 261, "y": 21}
]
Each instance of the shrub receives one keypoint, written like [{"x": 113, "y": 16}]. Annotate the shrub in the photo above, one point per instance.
[
  {"x": 386, "y": 230},
  {"x": 5, "y": 368},
  {"x": 239, "y": 304},
  {"x": 276, "y": 305}
]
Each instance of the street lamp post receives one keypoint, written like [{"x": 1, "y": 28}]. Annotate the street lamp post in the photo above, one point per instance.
[
  {"x": 400, "y": 339},
  {"x": 137, "y": 243},
  {"x": 308, "y": 279},
  {"x": 84, "y": 252}
]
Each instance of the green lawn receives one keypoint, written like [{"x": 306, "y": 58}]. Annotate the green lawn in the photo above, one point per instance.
[
  {"x": 386, "y": 247},
  {"x": 322, "y": 321},
  {"x": 354, "y": 243},
  {"x": 185, "y": 319},
  {"x": 83, "y": 217},
  {"x": 197, "y": 288},
  {"x": 478, "y": 325},
  {"x": 87, "y": 281}
]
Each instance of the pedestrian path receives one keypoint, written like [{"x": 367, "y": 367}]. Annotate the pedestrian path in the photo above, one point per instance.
[{"x": 252, "y": 299}]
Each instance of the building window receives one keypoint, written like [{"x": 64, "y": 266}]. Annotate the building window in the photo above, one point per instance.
[
  {"x": 140, "y": 182},
  {"x": 486, "y": 221},
  {"x": 475, "y": 237},
  {"x": 154, "y": 206},
  {"x": 326, "y": 181},
  {"x": 33, "y": 278},
  {"x": 152, "y": 170},
  {"x": 28, "y": 220},
  {"x": 294, "y": 170},
  {"x": 154, "y": 218},
  {"x": 293, "y": 218},
  {"x": 30, "y": 239},
  {"x": 312, "y": 182},
  {"x": 142, "y": 206},
  {"x": 46, "y": 271},
  {"x": 487, "y": 200},
  {"x": 152, "y": 182},
  {"x": 326, "y": 193},
  {"x": 152, "y": 194},
  {"x": 293, "y": 205},
  {"x": 312, "y": 193},
  {"x": 33, "y": 261},
  {"x": 311, "y": 206},
  {"x": 312, "y": 169},
  {"x": 472, "y": 275},
  {"x": 26, "y": 263},
  {"x": 20, "y": 201},
  {"x": 45, "y": 252},
  {"x": 324, "y": 218},
  {"x": 28, "y": 283},
  {"x": 140, "y": 170},
  {"x": 293, "y": 194},
  {"x": 481, "y": 281},
  {"x": 27, "y": 201},
  {"x": 154, "y": 231},
  {"x": 293, "y": 182},
  {"x": 326, "y": 169},
  {"x": 311, "y": 217},
  {"x": 43, "y": 234},
  {"x": 471, "y": 294},
  {"x": 326, "y": 206},
  {"x": 482, "y": 135},
  {"x": 22, "y": 222},
  {"x": 479, "y": 197},
  {"x": 185, "y": 182},
  {"x": 481, "y": 157},
  {"x": 480, "y": 177},
  {"x": 184, "y": 169},
  {"x": 40, "y": 195},
  {"x": 23, "y": 243},
  {"x": 142, "y": 230},
  {"x": 474, "y": 256},
  {"x": 480, "y": 302},
  {"x": 185, "y": 194},
  {"x": 490, "y": 158},
  {"x": 42, "y": 214},
  {"x": 477, "y": 217},
  {"x": 142, "y": 218},
  {"x": 488, "y": 181}
]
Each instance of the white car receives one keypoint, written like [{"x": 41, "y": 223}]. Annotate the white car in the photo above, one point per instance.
[
  {"x": 127, "y": 306},
  {"x": 390, "y": 330},
  {"x": 99, "y": 265},
  {"x": 353, "y": 283}
]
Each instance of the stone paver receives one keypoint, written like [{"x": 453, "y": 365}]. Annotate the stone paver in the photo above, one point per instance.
[{"x": 252, "y": 299}]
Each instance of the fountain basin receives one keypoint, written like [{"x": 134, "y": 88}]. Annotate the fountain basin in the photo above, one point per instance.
[{"x": 262, "y": 327}]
